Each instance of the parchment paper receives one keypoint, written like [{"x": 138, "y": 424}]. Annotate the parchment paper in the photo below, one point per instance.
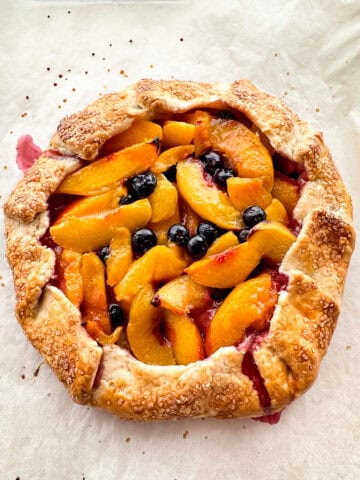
[{"x": 58, "y": 56}]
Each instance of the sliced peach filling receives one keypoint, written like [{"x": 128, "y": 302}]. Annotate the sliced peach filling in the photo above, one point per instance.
[{"x": 169, "y": 241}]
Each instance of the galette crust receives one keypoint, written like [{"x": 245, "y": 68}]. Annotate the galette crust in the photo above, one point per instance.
[{"x": 306, "y": 314}]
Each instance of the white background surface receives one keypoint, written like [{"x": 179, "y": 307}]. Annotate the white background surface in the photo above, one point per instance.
[{"x": 307, "y": 52}]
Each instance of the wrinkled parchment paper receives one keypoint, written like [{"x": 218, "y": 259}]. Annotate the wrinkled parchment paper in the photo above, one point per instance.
[{"x": 58, "y": 56}]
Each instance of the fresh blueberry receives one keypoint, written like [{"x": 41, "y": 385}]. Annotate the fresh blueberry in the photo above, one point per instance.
[
  {"x": 212, "y": 161},
  {"x": 170, "y": 173},
  {"x": 178, "y": 234},
  {"x": 243, "y": 234},
  {"x": 253, "y": 215},
  {"x": 143, "y": 239},
  {"x": 208, "y": 231},
  {"x": 126, "y": 199},
  {"x": 103, "y": 254},
  {"x": 197, "y": 246},
  {"x": 222, "y": 174},
  {"x": 142, "y": 185},
  {"x": 116, "y": 315}
]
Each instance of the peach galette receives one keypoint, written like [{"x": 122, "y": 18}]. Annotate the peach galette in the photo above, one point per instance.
[{"x": 181, "y": 250}]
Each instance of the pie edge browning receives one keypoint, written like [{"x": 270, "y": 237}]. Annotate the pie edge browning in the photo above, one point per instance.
[{"x": 288, "y": 359}]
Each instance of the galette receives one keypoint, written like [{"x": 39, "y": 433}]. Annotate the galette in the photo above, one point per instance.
[{"x": 180, "y": 250}]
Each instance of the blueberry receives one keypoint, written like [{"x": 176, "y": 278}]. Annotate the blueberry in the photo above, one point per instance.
[
  {"x": 222, "y": 174},
  {"x": 142, "y": 185},
  {"x": 178, "y": 234},
  {"x": 170, "y": 173},
  {"x": 243, "y": 234},
  {"x": 143, "y": 239},
  {"x": 197, "y": 246},
  {"x": 253, "y": 215},
  {"x": 116, "y": 315},
  {"x": 212, "y": 161},
  {"x": 103, "y": 254},
  {"x": 126, "y": 199},
  {"x": 208, "y": 231}
]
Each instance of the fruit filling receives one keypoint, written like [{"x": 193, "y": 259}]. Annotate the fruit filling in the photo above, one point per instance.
[{"x": 169, "y": 243}]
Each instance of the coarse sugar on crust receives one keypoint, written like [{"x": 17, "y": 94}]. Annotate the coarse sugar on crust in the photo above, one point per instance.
[{"x": 288, "y": 358}]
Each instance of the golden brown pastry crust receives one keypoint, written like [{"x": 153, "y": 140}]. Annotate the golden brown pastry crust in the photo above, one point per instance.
[{"x": 288, "y": 358}]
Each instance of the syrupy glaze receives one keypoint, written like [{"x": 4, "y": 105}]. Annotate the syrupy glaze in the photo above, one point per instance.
[
  {"x": 202, "y": 316},
  {"x": 27, "y": 153},
  {"x": 251, "y": 343},
  {"x": 271, "y": 419},
  {"x": 208, "y": 178},
  {"x": 287, "y": 166},
  {"x": 280, "y": 280},
  {"x": 57, "y": 203},
  {"x": 250, "y": 369},
  {"x": 294, "y": 226},
  {"x": 294, "y": 173}
]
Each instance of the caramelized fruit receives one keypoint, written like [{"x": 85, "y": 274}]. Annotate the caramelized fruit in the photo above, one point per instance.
[
  {"x": 204, "y": 197},
  {"x": 93, "y": 232},
  {"x": 270, "y": 240},
  {"x": 182, "y": 295},
  {"x": 141, "y": 131},
  {"x": 144, "y": 319},
  {"x": 177, "y": 133},
  {"x": 163, "y": 200},
  {"x": 158, "y": 264},
  {"x": 251, "y": 303},
  {"x": 184, "y": 337},
  {"x": 106, "y": 173},
  {"x": 146, "y": 216}
]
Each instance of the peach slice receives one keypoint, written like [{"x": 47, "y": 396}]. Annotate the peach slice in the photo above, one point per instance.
[
  {"x": 157, "y": 264},
  {"x": 225, "y": 269},
  {"x": 243, "y": 148},
  {"x": 276, "y": 212},
  {"x": 171, "y": 157},
  {"x": 144, "y": 319},
  {"x": 182, "y": 294},
  {"x": 94, "y": 305},
  {"x": 161, "y": 228},
  {"x": 104, "y": 174},
  {"x": 250, "y": 304},
  {"x": 90, "y": 233},
  {"x": 163, "y": 200},
  {"x": 227, "y": 240},
  {"x": 271, "y": 239},
  {"x": 141, "y": 131},
  {"x": 188, "y": 217},
  {"x": 71, "y": 267},
  {"x": 95, "y": 331},
  {"x": 247, "y": 155},
  {"x": 204, "y": 197},
  {"x": 244, "y": 192},
  {"x": 177, "y": 133},
  {"x": 202, "y": 134},
  {"x": 93, "y": 205},
  {"x": 120, "y": 258},
  {"x": 287, "y": 191},
  {"x": 184, "y": 337}
]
